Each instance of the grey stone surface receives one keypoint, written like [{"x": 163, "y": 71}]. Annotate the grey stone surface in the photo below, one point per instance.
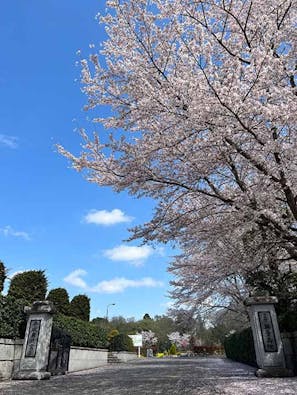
[
  {"x": 10, "y": 355},
  {"x": 176, "y": 376},
  {"x": 266, "y": 334},
  {"x": 34, "y": 360}
]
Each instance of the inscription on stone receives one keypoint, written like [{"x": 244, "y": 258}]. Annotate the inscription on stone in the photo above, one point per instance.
[
  {"x": 267, "y": 331},
  {"x": 32, "y": 338}
]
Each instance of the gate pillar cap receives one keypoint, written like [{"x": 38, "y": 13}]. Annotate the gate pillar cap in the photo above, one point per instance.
[
  {"x": 261, "y": 300},
  {"x": 40, "y": 306}
]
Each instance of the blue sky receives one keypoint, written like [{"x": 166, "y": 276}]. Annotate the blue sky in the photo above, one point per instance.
[{"x": 51, "y": 218}]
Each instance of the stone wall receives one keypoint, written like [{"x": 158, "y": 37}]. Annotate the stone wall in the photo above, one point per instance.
[
  {"x": 289, "y": 340},
  {"x": 82, "y": 358},
  {"x": 10, "y": 355}
]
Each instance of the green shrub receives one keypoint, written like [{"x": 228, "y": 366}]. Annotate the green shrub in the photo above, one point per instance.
[
  {"x": 172, "y": 350},
  {"x": 2, "y": 276},
  {"x": 121, "y": 342},
  {"x": 60, "y": 299},
  {"x": 29, "y": 286},
  {"x": 12, "y": 318},
  {"x": 80, "y": 307},
  {"x": 240, "y": 347},
  {"x": 83, "y": 334}
]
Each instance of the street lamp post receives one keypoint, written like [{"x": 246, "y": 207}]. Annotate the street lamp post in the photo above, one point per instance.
[{"x": 110, "y": 304}]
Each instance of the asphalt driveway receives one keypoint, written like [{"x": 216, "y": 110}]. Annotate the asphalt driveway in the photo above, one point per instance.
[{"x": 176, "y": 376}]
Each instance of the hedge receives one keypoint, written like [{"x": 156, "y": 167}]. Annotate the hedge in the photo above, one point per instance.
[
  {"x": 12, "y": 318},
  {"x": 83, "y": 334},
  {"x": 240, "y": 347}
]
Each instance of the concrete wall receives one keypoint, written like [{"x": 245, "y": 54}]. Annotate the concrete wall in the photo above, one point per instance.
[
  {"x": 125, "y": 356},
  {"x": 290, "y": 349},
  {"x": 80, "y": 358},
  {"x": 10, "y": 355},
  {"x": 86, "y": 358}
]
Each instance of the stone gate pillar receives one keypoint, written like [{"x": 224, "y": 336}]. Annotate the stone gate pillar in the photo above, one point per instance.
[
  {"x": 34, "y": 360},
  {"x": 266, "y": 335}
]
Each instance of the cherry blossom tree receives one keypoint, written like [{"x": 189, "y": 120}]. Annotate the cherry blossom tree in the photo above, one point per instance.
[
  {"x": 148, "y": 338},
  {"x": 181, "y": 341},
  {"x": 203, "y": 120}
]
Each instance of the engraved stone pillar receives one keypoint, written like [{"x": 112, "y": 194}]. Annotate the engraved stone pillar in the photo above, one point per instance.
[
  {"x": 34, "y": 360},
  {"x": 266, "y": 335}
]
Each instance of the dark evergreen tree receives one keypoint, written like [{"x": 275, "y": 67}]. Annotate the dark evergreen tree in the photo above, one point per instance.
[
  {"x": 80, "y": 307},
  {"x": 29, "y": 286},
  {"x": 2, "y": 275},
  {"x": 60, "y": 299}
]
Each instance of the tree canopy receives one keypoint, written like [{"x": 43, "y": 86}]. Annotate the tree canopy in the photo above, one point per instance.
[
  {"x": 30, "y": 286},
  {"x": 80, "y": 307},
  {"x": 60, "y": 299},
  {"x": 3, "y": 275},
  {"x": 203, "y": 120}
]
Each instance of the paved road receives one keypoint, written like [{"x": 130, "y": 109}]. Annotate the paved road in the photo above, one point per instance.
[{"x": 178, "y": 376}]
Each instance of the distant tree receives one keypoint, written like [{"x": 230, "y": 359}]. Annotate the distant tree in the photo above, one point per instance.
[
  {"x": 145, "y": 325},
  {"x": 161, "y": 326},
  {"x": 2, "y": 275},
  {"x": 80, "y": 307},
  {"x": 146, "y": 317},
  {"x": 60, "y": 299},
  {"x": 128, "y": 326},
  {"x": 100, "y": 321},
  {"x": 29, "y": 286}
]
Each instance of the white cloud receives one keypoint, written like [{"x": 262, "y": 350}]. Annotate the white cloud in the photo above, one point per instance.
[
  {"x": 107, "y": 218},
  {"x": 74, "y": 278},
  {"x": 135, "y": 255},
  {"x": 116, "y": 285},
  {"x": 9, "y": 231},
  {"x": 9, "y": 141}
]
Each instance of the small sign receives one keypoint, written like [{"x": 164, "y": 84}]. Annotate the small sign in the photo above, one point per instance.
[
  {"x": 267, "y": 331},
  {"x": 32, "y": 338},
  {"x": 137, "y": 340}
]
